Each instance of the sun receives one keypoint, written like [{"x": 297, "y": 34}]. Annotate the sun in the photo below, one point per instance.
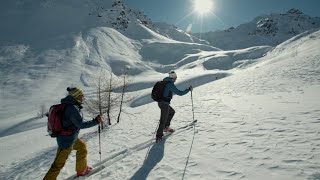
[{"x": 203, "y": 6}]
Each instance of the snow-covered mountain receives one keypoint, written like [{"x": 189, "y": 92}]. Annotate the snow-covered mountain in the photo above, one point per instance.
[
  {"x": 39, "y": 21},
  {"x": 23, "y": 21},
  {"x": 40, "y": 40},
  {"x": 257, "y": 108},
  {"x": 269, "y": 30},
  {"x": 175, "y": 33}
]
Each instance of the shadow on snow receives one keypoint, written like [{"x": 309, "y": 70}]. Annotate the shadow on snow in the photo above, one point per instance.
[{"x": 154, "y": 156}]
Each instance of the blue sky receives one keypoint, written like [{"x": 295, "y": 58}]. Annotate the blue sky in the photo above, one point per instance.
[{"x": 226, "y": 13}]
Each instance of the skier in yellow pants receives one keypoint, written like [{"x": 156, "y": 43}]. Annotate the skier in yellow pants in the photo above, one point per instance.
[{"x": 72, "y": 120}]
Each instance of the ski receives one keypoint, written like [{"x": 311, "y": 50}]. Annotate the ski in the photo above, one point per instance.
[
  {"x": 167, "y": 134},
  {"x": 190, "y": 124},
  {"x": 96, "y": 167}
]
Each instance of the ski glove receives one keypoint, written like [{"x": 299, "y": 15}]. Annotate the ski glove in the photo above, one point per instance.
[
  {"x": 190, "y": 88},
  {"x": 98, "y": 119}
]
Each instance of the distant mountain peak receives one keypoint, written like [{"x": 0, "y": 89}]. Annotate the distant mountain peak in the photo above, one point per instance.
[
  {"x": 269, "y": 30},
  {"x": 294, "y": 11},
  {"x": 119, "y": 16},
  {"x": 266, "y": 26}
]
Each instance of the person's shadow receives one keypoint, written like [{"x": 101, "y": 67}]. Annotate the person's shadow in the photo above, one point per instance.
[{"x": 154, "y": 156}]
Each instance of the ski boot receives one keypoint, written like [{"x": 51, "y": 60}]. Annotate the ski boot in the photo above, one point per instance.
[
  {"x": 168, "y": 129},
  {"x": 85, "y": 172}
]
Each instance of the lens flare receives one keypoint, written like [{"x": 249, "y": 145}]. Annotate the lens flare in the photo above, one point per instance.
[{"x": 203, "y": 6}]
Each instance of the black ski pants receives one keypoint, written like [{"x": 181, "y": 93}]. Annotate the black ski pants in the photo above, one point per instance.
[{"x": 167, "y": 113}]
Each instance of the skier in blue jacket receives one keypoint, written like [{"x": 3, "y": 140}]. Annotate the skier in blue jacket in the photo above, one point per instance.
[
  {"x": 72, "y": 120},
  {"x": 167, "y": 112}
]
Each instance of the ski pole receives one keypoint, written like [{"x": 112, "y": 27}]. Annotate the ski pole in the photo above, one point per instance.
[
  {"x": 99, "y": 127},
  {"x": 192, "y": 106},
  {"x": 99, "y": 141},
  {"x": 194, "y": 133}
]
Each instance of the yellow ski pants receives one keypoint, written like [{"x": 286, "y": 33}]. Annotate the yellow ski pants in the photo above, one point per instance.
[{"x": 62, "y": 155}]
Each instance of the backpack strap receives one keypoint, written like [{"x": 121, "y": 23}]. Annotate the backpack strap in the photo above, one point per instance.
[
  {"x": 65, "y": 131},
  {"x": 167, "y": 99}
]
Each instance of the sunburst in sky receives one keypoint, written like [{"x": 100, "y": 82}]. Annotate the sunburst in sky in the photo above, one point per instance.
[
  {"x": 203, "y": 7},
  {"x": 210, "y": 15}
]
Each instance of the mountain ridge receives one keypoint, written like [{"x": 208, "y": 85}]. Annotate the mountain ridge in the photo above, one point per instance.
[{"x": 269, "y": 30}]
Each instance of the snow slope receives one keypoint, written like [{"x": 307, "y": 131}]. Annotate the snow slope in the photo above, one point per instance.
[{"x": 262, "y": 122}]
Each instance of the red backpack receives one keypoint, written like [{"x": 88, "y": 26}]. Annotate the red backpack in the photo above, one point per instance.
[{"x": 55, "y": 118}]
